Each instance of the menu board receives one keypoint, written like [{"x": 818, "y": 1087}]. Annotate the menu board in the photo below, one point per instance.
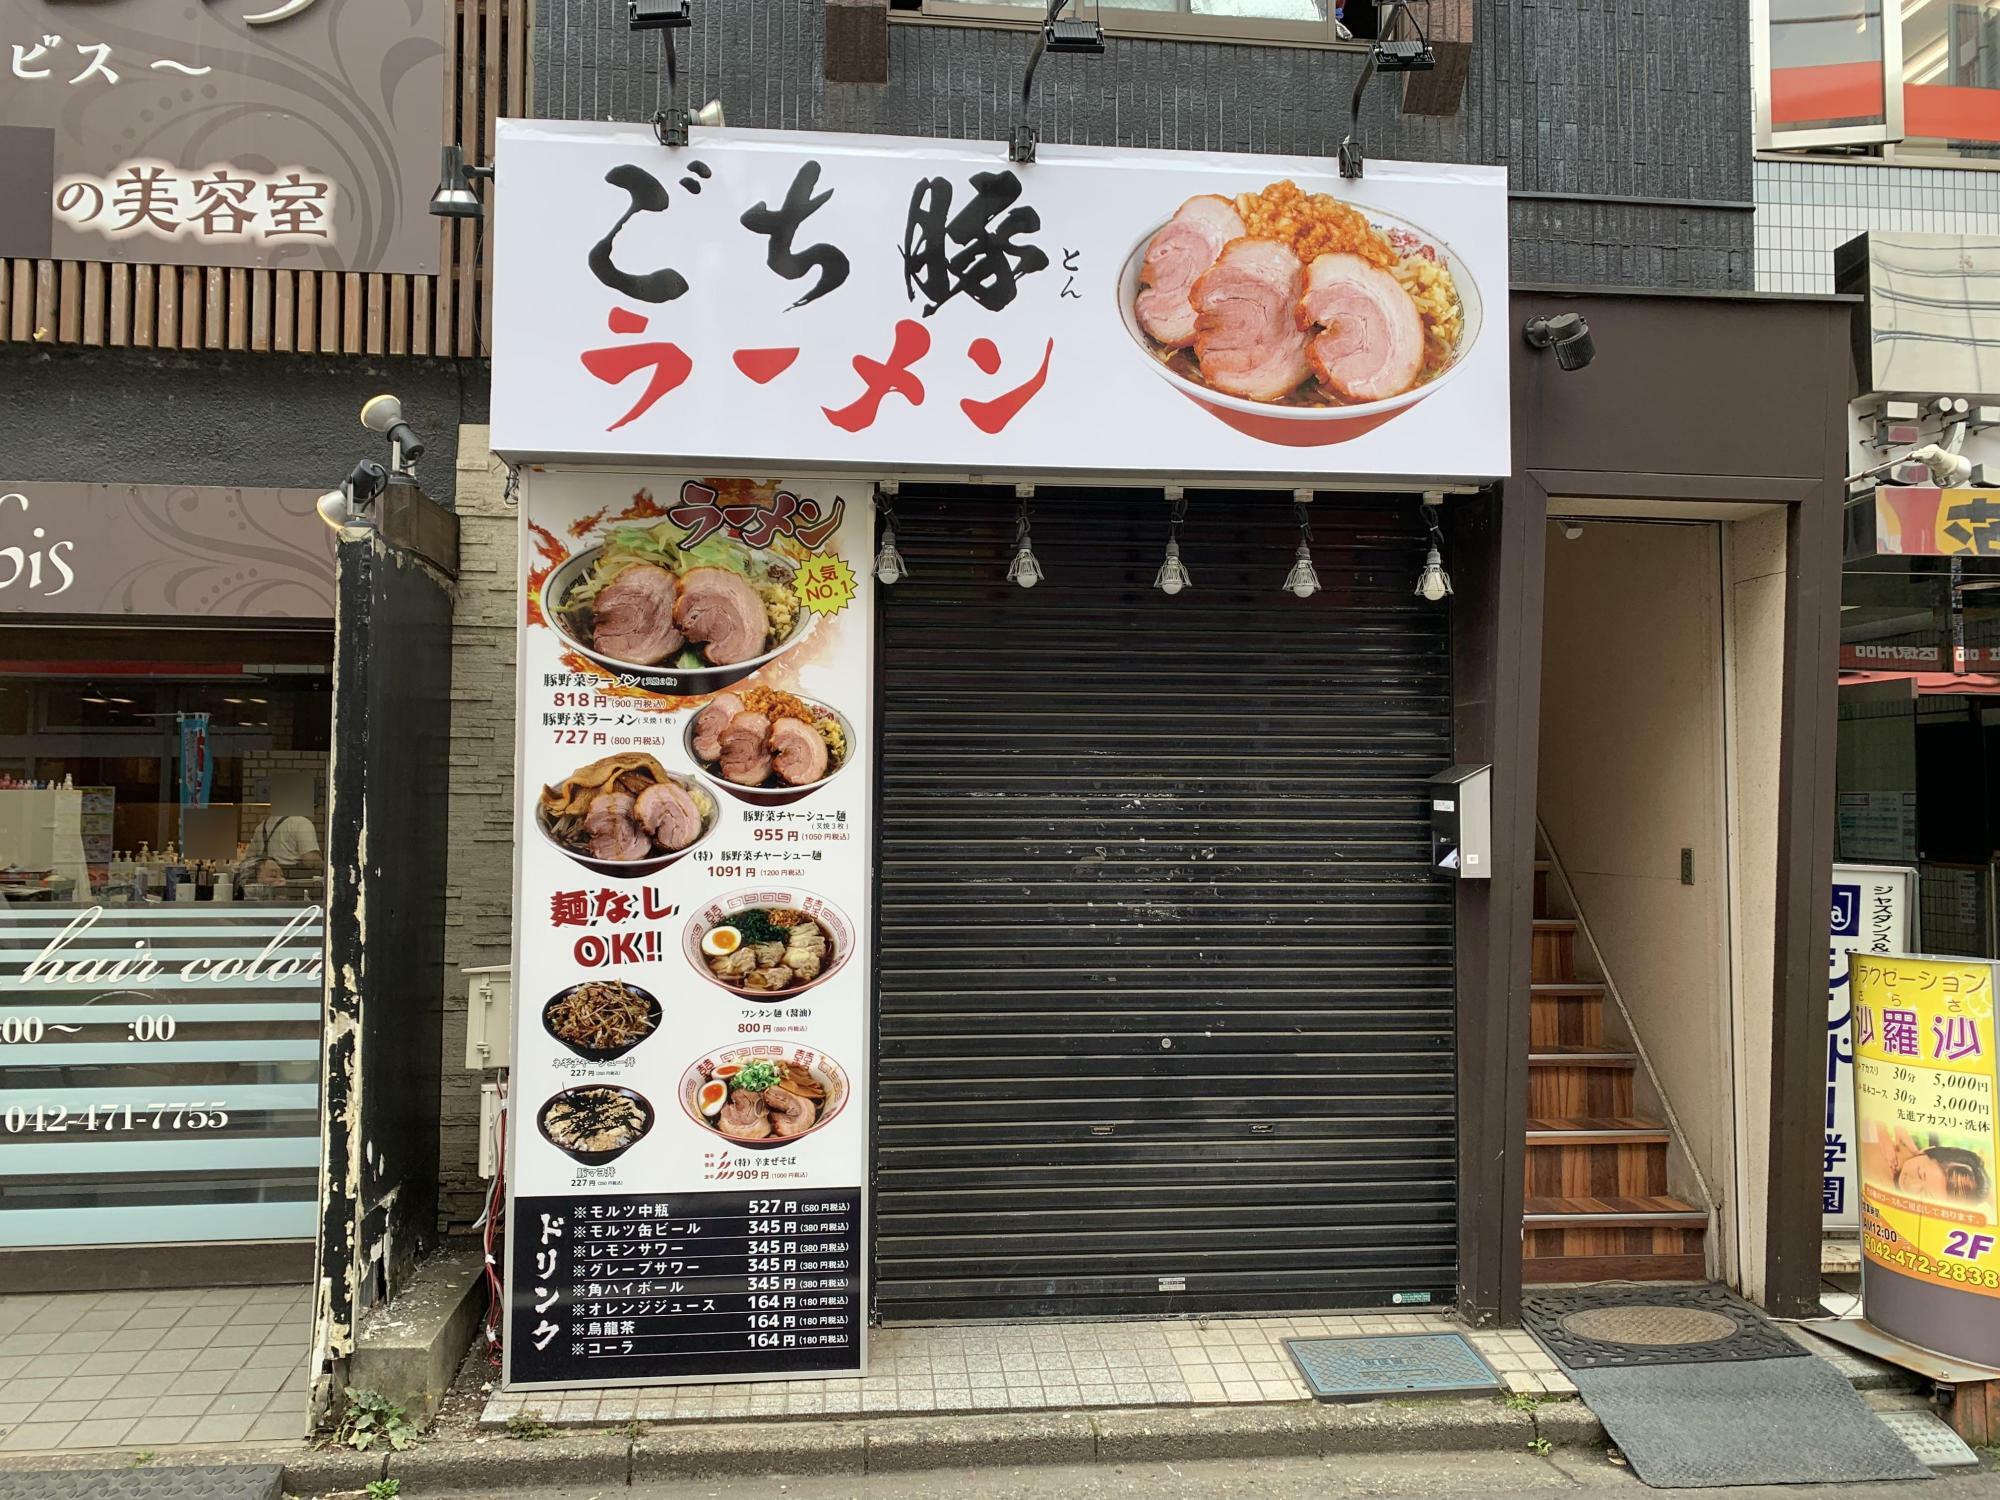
[{"x": 688, "y": 1112}]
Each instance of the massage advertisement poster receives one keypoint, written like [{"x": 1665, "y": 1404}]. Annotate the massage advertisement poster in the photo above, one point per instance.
[
  {"x": 688, "y": 1111},
  {"x": 1924, "y": 1083}
]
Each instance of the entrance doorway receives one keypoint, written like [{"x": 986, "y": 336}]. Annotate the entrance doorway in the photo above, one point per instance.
[{"x": 1166, "y": 984}]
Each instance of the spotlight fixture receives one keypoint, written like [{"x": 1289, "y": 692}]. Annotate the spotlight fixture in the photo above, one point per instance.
[
  {"x": 1025, "y": 569},
  {"x": 1433, "y": 583},
  {"x": 1302, "y": 582},
  {"x": 660, "y": 15},
  {"x": 1173, "y": 576},
  {"x": 1567, "y": 334},
  {"x": 455, "y": 197},
  {"x": 351, "y": 504},
  {"x": 1572, "y": 530},
  {"x": 1059, "y": 33},
  {"x": 384, "y": 414},
  {"x": 671, "y": 121},
  {"x": 1389, "y": 54},
  {"x": 888, "y": 561}
]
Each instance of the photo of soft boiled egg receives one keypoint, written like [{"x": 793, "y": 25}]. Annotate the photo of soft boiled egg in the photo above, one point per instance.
[
  {"x": 720, "y": 942},
  {"x": 712, "y": 1097}
]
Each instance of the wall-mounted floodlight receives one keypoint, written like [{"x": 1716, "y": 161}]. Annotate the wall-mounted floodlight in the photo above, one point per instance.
[
  {"x": 1567, "y": 334},
  {"x": 455, "y": 197},
  {"x": 1059, "y": 33}
]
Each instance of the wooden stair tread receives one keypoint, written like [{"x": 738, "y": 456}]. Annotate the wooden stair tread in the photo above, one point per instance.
[
  {"x": 1659, "y": 1208},
  {"x": 1555, "y": 924},
  {"x": 1581, "y": 1055},
  {"x": 1613, "y": 1127},
  {"x": 1543, "y": 986}
]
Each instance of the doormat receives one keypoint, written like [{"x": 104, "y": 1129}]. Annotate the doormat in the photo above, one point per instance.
[
  {"x": 1930, "y": 1437},
  {"x": 236, "y": 1482},
  {"x": 1766, "y": 1421},
  {"x": 1612, "y": 1327},
  {"x": 1353, "y": 1369}
]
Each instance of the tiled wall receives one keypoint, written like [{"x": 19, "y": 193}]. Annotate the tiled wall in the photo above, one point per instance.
[{"x": 1807, "y": 208}]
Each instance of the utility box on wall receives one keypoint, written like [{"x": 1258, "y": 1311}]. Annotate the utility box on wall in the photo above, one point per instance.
[{"x": 1462, "y": 822}]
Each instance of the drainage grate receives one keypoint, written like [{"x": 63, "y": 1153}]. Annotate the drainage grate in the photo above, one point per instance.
[
  {"x": 1351, "y": 1369},
  {"x": 1930, "y": 1437},
  {"x": 1664, "y": 1324},
  {"x": 237, "y": 1482}
]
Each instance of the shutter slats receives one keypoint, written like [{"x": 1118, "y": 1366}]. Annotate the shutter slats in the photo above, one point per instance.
[{"x": 1166, "y": 985}]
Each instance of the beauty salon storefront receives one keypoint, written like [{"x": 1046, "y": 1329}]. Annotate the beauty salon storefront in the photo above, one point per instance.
[{"x": 164, "y": 724}]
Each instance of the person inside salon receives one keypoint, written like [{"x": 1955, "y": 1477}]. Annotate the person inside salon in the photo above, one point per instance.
[{"x": 284, "y": 848}]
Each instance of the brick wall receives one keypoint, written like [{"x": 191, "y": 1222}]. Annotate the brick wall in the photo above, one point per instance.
[{"x": 479, "y": 882}]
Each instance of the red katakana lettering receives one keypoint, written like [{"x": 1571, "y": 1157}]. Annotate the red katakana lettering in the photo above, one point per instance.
[
  {"x": 992, "y": 416},
  {"x": 614, "y": 365},
  {"x": 913, "y": 342}
]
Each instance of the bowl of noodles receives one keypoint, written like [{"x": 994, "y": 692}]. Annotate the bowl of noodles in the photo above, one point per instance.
[{"x": 1344, "y": 258}]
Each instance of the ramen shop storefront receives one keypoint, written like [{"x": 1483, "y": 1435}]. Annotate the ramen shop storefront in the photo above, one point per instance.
[{"x": 1061, "y": 839}]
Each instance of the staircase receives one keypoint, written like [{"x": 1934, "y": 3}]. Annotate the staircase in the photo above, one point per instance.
[{"x": 1597, "y": 1206}]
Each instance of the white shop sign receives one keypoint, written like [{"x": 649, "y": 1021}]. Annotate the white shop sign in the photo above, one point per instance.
[
  {"x": 792, "y": 302},
  {"x": 1874, "y": 911}
]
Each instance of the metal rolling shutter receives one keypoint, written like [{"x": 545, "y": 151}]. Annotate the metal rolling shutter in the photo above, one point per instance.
[{"x": 1165, "y": 982}]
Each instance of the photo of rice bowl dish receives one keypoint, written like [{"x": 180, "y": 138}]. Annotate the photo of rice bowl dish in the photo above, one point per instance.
[
  {"x": 595, "y": 1124},
  {"x": 768, "y": 747},
  {"x": 626, "y": 814},
  {"x": 601, "y": 1019},
  {"x": 1295, "y": 316},
  {"x": 644, "y": 602},
  {"x": 769, "y": 945},
  {"x": 764, "y": 1094}
]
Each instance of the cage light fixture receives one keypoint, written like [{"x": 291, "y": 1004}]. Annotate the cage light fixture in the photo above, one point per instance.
[
  {"x": 1173, "y": 576},
  {"x": 1026, "y": 568},
  {"x": 1302, "y": 582},
  {"x": 1433, "y": 583},
  {"x": 889, "y": 566}
]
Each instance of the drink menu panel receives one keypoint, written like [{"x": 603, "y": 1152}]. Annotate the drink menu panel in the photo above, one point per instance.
[{"x": 688, "y": 1115}]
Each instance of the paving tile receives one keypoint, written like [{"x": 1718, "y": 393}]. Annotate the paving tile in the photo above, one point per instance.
[
  {"x": 1242, "y": 1390},
  {"x": 182, "y": 1404},
  {"x": 36, "y": 1388},
  {"x": 220, "y": 1359},
  {"x": 63, "y": 1411},
  {"x": 87, "y": 1388},
  {"x": 128, "y": 1339},
  {"x": 206, "y": 1315},
  {"x": 201, "y": 1382},
  {"x": 219, "y": 1430},
  {"x": 31, "y": 1437},
  {"x": 165, "y": 1361},
  {"x": 186, "y": 1336},
  {"x": 265, "y": 1380},
  {"x": 239, "y": 1404},
  {"x": 277, "y": 1427},
  {"x": 237, "y": 1336},
  {"x": 25, "y": 1343},
  {"x": 15, "y": 1364},
  {"x": 158, "y": 1432},
  {"x": 53, "y": 1363},
  {"x": 282, "y": 1355},
  {"x": 15, "y": 1411},
  {"x": 120, "y": 1363},
  {"x": 123, "y": 1405},
  {"x": 107, "y": 1434}
]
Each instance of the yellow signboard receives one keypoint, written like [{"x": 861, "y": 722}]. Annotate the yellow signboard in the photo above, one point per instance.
[{"x": 1924, "y": 1085}]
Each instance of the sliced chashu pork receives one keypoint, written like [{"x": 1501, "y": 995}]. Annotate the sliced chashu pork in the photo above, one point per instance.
[
  {"x": 668, "y": 813},
  {"x": 1186, "y": 245},
  {"x": 633, "y": 616},
  {"x": 711, "y": 721},
  {"x": 721, "y": 610},
  {"x": 798, "y": 751},
  {"x": 613, "y": 827},
  {"x": 1247, "y": 333},
  {"x": 1373, "y": 343},
  {"x": 746, "y": 758},
  {"x": 744, "y": 1116}
]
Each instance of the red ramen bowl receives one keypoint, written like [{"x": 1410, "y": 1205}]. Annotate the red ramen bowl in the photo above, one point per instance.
[
  {"x": 827, "y": 1073},
  {"x": 1303, "y": 426},
  {"x": 839, "y": 934}
]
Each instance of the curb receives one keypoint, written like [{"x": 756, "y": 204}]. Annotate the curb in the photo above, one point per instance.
[{"x": 905, "y": 1445}]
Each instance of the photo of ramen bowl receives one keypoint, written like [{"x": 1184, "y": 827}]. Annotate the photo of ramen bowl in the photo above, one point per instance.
[
  {"x": 626, "y": 815},
  {"x": 675, "y": 619},
  {"x": 763, "y": 1095},
  {"x": 768, "y": 945},
  {"x": 767, "y": 747},
  {"x": 1295, "y": 318},
  {"x": 595, "y": 1123}
]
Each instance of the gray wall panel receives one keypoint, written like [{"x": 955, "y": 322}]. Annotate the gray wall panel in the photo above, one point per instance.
[{"x": 1623, "y": 99}]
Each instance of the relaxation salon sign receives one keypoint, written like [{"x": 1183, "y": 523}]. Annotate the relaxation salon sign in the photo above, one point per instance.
[{"x": 291, "y": 133}]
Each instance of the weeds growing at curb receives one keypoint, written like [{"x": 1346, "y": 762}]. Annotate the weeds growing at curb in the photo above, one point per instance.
[
  {"x": 384, "y": 1489},
  {"x": 1540, "y": 1446},
  {"x": 528, "y": 1427},
  {"x": 1523, "y": 1401},
  {"x": 372, "y": 1420},
  {"x": 143, "y": 1457}
]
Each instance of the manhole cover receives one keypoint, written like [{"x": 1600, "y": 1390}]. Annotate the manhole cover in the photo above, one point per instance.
[
  {"x": 1659, "y": 1327},
  {"x": 1389, "y": 1364}
]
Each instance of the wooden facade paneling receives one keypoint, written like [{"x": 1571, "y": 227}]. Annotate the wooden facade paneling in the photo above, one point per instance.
[{"x": 119, "y": 305}]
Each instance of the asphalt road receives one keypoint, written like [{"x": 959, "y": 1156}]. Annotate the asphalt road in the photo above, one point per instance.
[{"x": 1460, "y": 1477}]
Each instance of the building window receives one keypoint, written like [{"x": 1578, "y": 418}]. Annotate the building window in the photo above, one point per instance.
[
  {"x": 1276, "y": 22},
  {"x": 1900, "y": 79}
]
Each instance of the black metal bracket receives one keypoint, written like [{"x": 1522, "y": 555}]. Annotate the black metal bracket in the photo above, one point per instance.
[
  {"x": 670, "y": 123},
  {"x": 1388, "y": 54}
]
